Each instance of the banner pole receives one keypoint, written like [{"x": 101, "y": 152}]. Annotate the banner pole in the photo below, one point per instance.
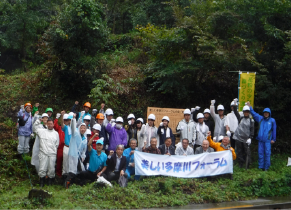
[{"x": 238, "y": 85}]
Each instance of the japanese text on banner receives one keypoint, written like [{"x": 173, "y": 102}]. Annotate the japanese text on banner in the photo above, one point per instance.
[{"x": 247, "y": 89}]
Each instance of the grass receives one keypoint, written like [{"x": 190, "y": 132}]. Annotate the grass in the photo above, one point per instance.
[{"x": 148, "y": 193}]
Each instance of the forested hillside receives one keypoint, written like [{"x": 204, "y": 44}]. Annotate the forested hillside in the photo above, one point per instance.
[{"x": 134, "y": 54}]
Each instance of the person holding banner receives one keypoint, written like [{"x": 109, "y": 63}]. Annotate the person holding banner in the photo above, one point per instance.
[
  {"x": 243, "y": 135},
  {"x": 204, "y": 149},
  {"x": 187, "y": 128},
  {"x": 218, "y": 119},
  {"x": 224, "y": 145},
  {"x": 266, "y": 136},
  {"x": 152, "y": 148},
  {"x": 164, "y": 131},
  {"x": 167, "y": 148},
  {"x": 185, "y": 149}
]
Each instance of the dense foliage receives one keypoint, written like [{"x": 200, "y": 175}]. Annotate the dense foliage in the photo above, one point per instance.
[{"x": 134, "y": 54}]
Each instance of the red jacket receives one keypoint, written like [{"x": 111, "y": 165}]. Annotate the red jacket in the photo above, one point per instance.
[{"x": 94, "y": 140}]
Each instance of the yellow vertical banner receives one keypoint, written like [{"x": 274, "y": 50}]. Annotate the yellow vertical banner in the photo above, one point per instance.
[{"x": 247, "y": 89}]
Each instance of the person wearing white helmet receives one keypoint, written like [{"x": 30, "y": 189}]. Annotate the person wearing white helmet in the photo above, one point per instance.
[
  {"x": 149, "y": 131},
  {"x": 164, "y": 131},
  {"x": 231, "y": 123},
  {"x": 202, "y": 130},
  {"x": 219, "y": 119},
  {"x": 131, "y": 128},
  {"x": 117, "y": 134},
  {"x": 187, "y": 128},
  {"x": 66, "y": 128},
  {"x": 243, "y": 135},
  {"x": 95, "y": 134},
  {"x": 39, "y": 123},
  {"x": 48, "y": 146},
  {"x": 108, "y": 116},
  {"x": 86, "y": 119},
  {"x": 139, "y": 124},
  {"x": 206, "y": 114}
]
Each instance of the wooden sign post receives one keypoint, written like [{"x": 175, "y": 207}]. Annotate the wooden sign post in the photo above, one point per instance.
[{"x": 175, "y": 115}]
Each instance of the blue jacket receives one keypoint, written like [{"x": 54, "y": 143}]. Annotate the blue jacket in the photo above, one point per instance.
[
  {"x": 25, "y": 130},
  {"x": 126, "y": 153},
  {"x": 267, "y": 126}
]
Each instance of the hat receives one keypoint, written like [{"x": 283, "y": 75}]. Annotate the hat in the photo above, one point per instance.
[
  {"x": 246, "y": 108},
  {"x": 187, "y": 111},
  {"x": 44, "y": 115},
  {"x": 206, "y": 111},
  {"x": 88, "y": 132},
  {"x": 130, "y": 116},
  {"x": 139, "y": 120},
  {"x": 97, "y": 127},
  {"x": 220, "y": 107},
  {"x": 109, "y": 112},
  {"x": 200, "y": 115},
  {"x": 87, "y": 117},
  {"x": 151, "y": 117},
  {"x": 67, "y": 117},
  {"x": 166, "y": 118},
  {"x": 119, "y": 119},
  {"x": 100, "y": 141},
  {"x": 49, "y": 110}
]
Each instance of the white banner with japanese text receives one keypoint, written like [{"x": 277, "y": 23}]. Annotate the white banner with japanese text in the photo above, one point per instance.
[{"x": 191, "y": 166}]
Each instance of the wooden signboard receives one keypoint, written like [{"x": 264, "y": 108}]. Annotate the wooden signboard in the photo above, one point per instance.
[{"x": 175, "y": 115}]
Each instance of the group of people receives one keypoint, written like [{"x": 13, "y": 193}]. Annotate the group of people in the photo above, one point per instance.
[{"x": 88, "y": 146}]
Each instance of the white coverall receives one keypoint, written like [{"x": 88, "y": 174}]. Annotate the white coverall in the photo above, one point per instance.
[{"x": 48, "y": 146}]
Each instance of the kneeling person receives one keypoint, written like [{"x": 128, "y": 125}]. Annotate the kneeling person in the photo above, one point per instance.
[
  {"x": 116, "y": 164},
  {"x": 48, "y": 147},
  {"x": 204, "y": 149},
  {"x": 97, "y": 162}
]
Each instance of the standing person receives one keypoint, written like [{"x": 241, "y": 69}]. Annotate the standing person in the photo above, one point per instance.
[
  {"x": 35, "y": 108},
  {"x": 207, "y": 119},
  {"x": 139, "y": 124},
  {"x": 75, "y": 109},
  {"x": 102, "y": 108},
  {"x": 243, "y": 135},
  {"x": 185, "y": 149},
  {"x": 129, "y": 155},
  {"x": 93, "y": 117},
  {"x": 116, "y": 164},
  {"x": 164, "y": 131},
  {"x": 153, "y": 149},
  {"x": 95, "y": 135},
  {"x": 167, "y": 148},
  {"x": 231, "y": 123},
  {"x": 266, "y": 136},
  {"x": 48, "y": 145},
  {"x": 102, "y": 133},
  {"x": 25, "y": 120},
  {"x": 218, "y": 119},
  {"x": 60, "y": 151},
  {"x": 187, "y": 128},
  {"x": 35, "y": 150},
  {"x": 149, "y": 131},
  {"x": 108, "y": 116},
  {"x": 97, "y": 163},
  {"x": 204, "y": 149},
  {"x": 77, "y": 151},
  {"x": 202, "y": 130},
  {"x": 49, "y": 112},
  {"x": 117, "y": 134},
  {"x": 66, "y": 128},
  {"x": 83, "y": 114},
  {"x": 86, "y": 120},
  {"x": 131, "y": 129}
]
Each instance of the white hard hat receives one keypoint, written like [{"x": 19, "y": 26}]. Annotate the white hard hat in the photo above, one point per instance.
[
  {"x": 220, "y": 138},
  {"x": 130, "y": 116},
  {"x": 44, "y": 115},
  {"x": 166, "y": 118},
  {"x": 246, "y": 108},
  {"x": 71, "y": 113},
  {"x": 97, "y": 127},
  {"x": 206, "y": 111},
  {"x": 87, "y": 117},
  {"x": 109, "y": 112},
  {"x": 232, "y": 103},
  {"x": 119, "y": 119},
  {"x": 65, "y": 117},
  {"x": 187, "y": 111},
  {"x": 151, "y": 117},
  {"x": 88, "y": 132},
  {"x": 200, "y": 115},
  {"x": 139, "y": 119},
  {"x": 220, "y": 107}
]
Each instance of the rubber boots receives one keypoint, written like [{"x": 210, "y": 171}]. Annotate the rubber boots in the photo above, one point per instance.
[{"x": 42, "y": 180}]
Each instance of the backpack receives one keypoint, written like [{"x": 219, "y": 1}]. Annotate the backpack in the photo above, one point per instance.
[{"x": 21, "y": 120}]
